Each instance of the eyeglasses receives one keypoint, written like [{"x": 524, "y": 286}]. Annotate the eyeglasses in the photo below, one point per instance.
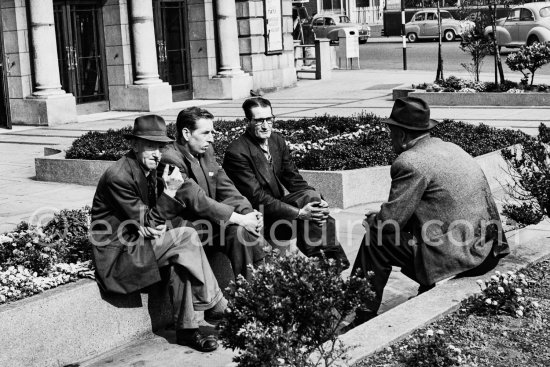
[{"x": 260, "y": 122}]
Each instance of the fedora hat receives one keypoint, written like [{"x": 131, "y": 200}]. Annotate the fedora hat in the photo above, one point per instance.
[
  {"x": 411, "y": 113},
  {"x": 149, "y": 127}
]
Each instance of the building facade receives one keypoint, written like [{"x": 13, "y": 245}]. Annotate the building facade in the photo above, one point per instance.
[{"x": 61, "y": 58}]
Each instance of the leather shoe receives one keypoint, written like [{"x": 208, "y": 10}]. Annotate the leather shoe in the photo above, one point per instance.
[
  {"x": 195, "y": 339},
  {"x": 214, "y": 317},
  {"x": 361, "y": 316}
]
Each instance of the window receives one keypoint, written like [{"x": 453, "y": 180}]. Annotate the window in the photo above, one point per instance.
[
  {"x": 514, "y": 15},
  {"x": 431, "y": 16},
  {"x": 329, "y": 21},
  {"x": 419, "y": 17},
  {"x": 319, "y": 22},
  {"x": 344, "y": 19},
  {"x": 545, "y": 12},
  {"x": 526, "y": 15},
  {"x": 445, "y": 15}
]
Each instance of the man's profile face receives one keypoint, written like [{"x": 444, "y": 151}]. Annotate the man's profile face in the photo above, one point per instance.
[
  {"x": 261, "y": 123},
  {"x": 201, "y": 138},
  {"x": 148, "y": 153}
]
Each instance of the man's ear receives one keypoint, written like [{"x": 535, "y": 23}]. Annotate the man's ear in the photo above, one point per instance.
[{"x": 185, "y": 134}]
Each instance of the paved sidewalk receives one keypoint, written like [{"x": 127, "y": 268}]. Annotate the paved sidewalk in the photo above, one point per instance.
[{"x": 347, "y": 93}]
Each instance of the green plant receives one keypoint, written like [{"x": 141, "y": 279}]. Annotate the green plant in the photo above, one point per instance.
[
  {"x": 432, "y": 350},
  {"x": 291, "y": 308},
  {"x": 530, "y": 171},
  {"x": 504, "y": 293},
  {"x": 478, "y": 46},
  {"x": 529, "y": 59},
  {"x": 524, "y": 214}
]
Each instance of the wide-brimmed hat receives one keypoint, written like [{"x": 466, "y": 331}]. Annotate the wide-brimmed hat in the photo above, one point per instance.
[
  {"x": 411, "y": 113},
  {"x": 149, "y": 127}
]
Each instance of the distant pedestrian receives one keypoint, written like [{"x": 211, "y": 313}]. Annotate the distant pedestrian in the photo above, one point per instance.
[
  {"x": 440, "y": 219},
  {"x": 260, "y": 165},
  {"x": 132, "y": 239}
]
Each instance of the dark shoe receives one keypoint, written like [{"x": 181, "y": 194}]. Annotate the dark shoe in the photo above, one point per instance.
[
  {"x": 425, "y": 288},
  {"x": 214, "y": 317},
  {"x": 361, "y": 316},
  {"x": 195, "y": 339}
]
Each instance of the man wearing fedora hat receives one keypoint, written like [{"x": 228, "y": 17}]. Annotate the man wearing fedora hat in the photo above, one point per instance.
[
  {"x": 133, "y": 237},
  {"x": 440, "y": 219}
]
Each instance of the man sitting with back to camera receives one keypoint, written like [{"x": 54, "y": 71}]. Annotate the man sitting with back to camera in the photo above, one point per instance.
[
  {"x": 132, "y": 235},
  {"x": 440, "y": 219},
  {"x": 213, "y": 203},
  {"x": 260, "y": 165}
]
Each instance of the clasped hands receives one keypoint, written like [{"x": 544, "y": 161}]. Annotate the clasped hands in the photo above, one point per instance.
[{"x": 316, "y": 212}]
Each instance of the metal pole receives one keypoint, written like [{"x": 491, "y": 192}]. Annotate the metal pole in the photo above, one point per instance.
[{"x": 403, "y": 36}]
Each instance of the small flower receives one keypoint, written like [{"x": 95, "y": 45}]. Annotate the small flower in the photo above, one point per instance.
[
  {"x": 440, "y": 332},
  {"x": 500, "y": 290},
  {"x": 480, "y": 282},
  {"x": 429, "y": 332},
  {"x": 518, "y": 290},
  {"x": 535, "y": 304},
  {"x": 488, "y": 301},
  {"x": 519, "y": 313}
]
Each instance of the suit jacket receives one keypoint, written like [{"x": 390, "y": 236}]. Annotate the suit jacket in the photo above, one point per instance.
[
  {"x": 125, "y": 262},
  {"x": 214, "y": 199},
  {"x": 263, "y": 184},
  {"x": 442, "y": 194}
]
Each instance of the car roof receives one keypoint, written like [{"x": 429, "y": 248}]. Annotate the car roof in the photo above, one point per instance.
[
  {"x": 432, "y": 10},
  {"x": 534, "y": 6}
]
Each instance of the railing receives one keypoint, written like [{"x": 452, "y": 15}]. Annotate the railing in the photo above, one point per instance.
[{"x": 321, "y": 65}]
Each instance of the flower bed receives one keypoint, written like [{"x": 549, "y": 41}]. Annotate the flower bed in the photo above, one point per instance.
[
  {"x": 325, "y": 143},
  {"x": 33, "y": 259},
  {"x": 504, "y": 326}
]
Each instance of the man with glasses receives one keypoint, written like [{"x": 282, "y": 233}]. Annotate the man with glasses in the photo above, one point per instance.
[
  {"x": 220, "y": 213},
  {"x": 260, "y": 165}
]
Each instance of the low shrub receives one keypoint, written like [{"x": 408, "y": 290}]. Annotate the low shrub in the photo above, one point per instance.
[
  {"x": 433, "y": 350},
  {"x": 530, "y": 170},
  {"x": 504, "y": 293},
  {"x": 324, "y": 142},
  {"x": 524, "y": 214},
  {"x": 528, "y": 59},
  {"x": 290, "y": 308},
  {"x": 456, "y": 84},
  {"x": 33, "y": 259}
]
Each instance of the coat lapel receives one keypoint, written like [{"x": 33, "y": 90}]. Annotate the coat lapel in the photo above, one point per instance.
[
  {"x": 195, "y": 171},
  {"x": 139, "y": 176},
  {"x": 209, "y": 174},
  {"x": 262, "y": 165}
]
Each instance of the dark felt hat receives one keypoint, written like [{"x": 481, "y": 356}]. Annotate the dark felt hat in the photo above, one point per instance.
[
  {"x": 411, "y": 113},
  {"x": 149, "y": 127}
]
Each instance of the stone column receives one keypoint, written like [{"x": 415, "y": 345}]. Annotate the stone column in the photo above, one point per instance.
[
  {"x": 46, "y": 69},
  {"x": 226, "y": 21},
  {"x": 48, "y": 104},
  {"x": 143, "y": 32}
]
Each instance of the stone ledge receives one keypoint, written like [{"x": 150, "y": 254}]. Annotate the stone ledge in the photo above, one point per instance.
[
  {"x": 75, "y": 321},
  {"x": 342, "y": 189},
  {"x": 475, "y": 99},
  {"x": 527, "y": 245}
]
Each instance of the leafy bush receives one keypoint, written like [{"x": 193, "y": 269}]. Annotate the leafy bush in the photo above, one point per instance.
[
  {"x": 432, "y": 350},
  {"x": 530, "y": 170},
  {"x": 288, "y": 310},
  {"x": 524, "y": 214},
  {"x": 504, "y": 293},
  {"x": 325, "y": 142},
  {"x": 456, "y": 84},
  {"x": 529, "y": 59},
  {"x": 33, "y": 259}
]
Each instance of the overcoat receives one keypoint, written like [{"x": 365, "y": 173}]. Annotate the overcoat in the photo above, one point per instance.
[
  {"x": 125, "y": 262},
  {"x": 215, "y": 198},
  {"x": 439, "y": 192},
  {"x": 261, "y": 181}
]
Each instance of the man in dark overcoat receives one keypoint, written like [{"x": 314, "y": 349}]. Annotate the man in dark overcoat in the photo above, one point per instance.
[
  {"x": 440, "y": 219},
  {"x": 131, "y": 239},
  {"x": 260, "y": 165},
  {"x": 216, "y": 208}
]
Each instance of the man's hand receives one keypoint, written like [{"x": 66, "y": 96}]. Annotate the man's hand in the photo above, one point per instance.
[
  {"x": 172, "y": 181},
  {"x": 314, "y": 212},
  {"x": 250, "y": 221},
  {"x": 370, "y": 218},
  {"x": 150, "y": 233},
  {"x": 260, "y": 218}
]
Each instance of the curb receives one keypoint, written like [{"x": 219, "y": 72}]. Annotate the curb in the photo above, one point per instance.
[{"x": 528, "y": 245}]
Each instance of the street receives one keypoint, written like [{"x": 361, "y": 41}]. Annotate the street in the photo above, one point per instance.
[{"x": 423, "y": 56}]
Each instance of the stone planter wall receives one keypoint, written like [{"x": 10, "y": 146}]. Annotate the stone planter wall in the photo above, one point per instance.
[
  {"x": 341, "y": 189},
  {"x": 482, "y": 99},
  {"x": 74, "y": 322}
]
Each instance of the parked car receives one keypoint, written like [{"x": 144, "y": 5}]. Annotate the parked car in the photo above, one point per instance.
[
  {"x": 327, "y": 26},
  {"x": 423, "y": 25},
  {"x": 525, "y": 24}
]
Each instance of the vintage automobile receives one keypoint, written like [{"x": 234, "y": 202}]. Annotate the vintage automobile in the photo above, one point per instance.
[
  {"x": 423, "y": 25},
  {"x": 525, "y": 25},
  {"x": 327, "y": 26}
]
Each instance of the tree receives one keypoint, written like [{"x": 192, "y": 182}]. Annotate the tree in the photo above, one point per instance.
[
  {"x": 439, "y": 74},
  {"x": 474, "y": 41},
  {"x": 528, "y": 60}
]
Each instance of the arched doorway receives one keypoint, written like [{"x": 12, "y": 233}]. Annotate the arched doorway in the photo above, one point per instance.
[{"x": 172, "y": 37}]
